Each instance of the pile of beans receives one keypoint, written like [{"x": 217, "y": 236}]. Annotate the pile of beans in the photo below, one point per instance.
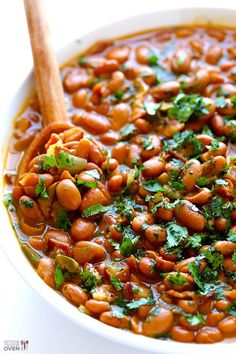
[{"x": 129, "y": 211}]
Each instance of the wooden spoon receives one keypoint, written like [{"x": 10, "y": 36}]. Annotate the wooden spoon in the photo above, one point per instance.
[{"x": 49, "y": 86}]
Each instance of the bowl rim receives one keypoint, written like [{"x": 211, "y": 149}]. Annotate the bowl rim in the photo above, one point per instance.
[{"x": 10, "y": 244}]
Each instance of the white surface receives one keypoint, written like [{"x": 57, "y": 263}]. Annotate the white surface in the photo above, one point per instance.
[{"x": 23, "y": 314}]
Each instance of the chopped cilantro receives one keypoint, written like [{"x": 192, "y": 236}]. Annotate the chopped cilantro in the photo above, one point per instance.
[
  {"x": 135, "y": 304},
  {"x": 175, "y": 279},
  {"x": 154, "y": 311},
  {"x": 61, "y": 161},
  {"x": 187, "y": 107},
  {"x": 233, "y": 100},
  {"x": 58, "y": 276},
  {"x": 184, "y": 139},
  {"x": 194, "y": 319},
  {"x": 153, "y": 185},
  {"x": 232, "y": 237},
  {"x": 116, "y": 283},
  {"x": 231, "y": 309},
  {"x": 195, "y": 241},
  {"x": 129, "y": 240},
  {"x": 175, "y": 234},
  {"x": 221, "y": 102},
  {"x": 89, "y": 278},
  {"x": 152, "y": 108},
  {"x": 93, "y": 173},
  {"x": 215, "y": 145},
  {"x": 127, "y": 130},
  {"x": 118, "y": 94},
  {"x": 214, "y": 258},
  {"x": 234, "y": 257},
  {"x": 221, "y": 182},
  {"x": 94, "y": 210},
  {"x": 62, "y": 221},
  {"x": 117, "y": 311},
  {"x": 91, "y": 184},
  {"x": 40, "y": 189},
  {"x": 152, "y": 59},
  {"x": 202, "y": 181},
  {"x": 148, "y": 143},
  {"x": 83, "y": 60}
]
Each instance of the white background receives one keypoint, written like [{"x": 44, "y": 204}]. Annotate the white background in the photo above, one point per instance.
[{"x": 23, "y": 314}]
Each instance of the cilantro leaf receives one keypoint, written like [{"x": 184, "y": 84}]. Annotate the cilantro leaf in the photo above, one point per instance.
[
  {"x": 62, "y": 161},
  {"x": 89, "y": 278},
  {"x": 233, "y": 100},
  {"x": 148, "y": 143},
  {"x": 175, "y": 279},
  {"x": 152, "y": 108},
  {"x": 202, "y": 181},
  {"x": 232, "y": 237},
  {"x": 195, "y": 319},
  {"x": 221, "y": 182},
  {"x": 118, "y": 94},
  {"x": 231, "y": 309},
  {"x": 184, "y": 139},
  {"x": 214, "y": 258},
  {"x": 116, "y": 282},
  {"x": 195, "y": 241},
  {"x": 175, "y": 234},
  {"x": 94, "y": 210},
  {"x": 117, "y": 311},
  {"x": 127, "y": 130},
  {"x": 152, "y": 59},
  {"x": 153, "y": 185},
  {"x": 221, "y": 102},
  {"x": 135, "y": 304},
  {"x": 27, "y": 203},
  {"x": 40, "y": 189},
  {"x": 129, "y": 240},
  {"x": 187, "y": 107},
  {"x": 62, "y": 221},
  {"x": 49, "y": 161},
  {"x": 83, "y": 60},
  {"x": 93, "y": 173},
  {"x": 91, "y": 184}
]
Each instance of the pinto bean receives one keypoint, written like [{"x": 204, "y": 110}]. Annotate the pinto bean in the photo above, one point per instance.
[
  {"x": 142, "y": 54},
  {"x": 229, "y": 265},
  {"x": 120, "y": 152},
  {"x": 181, "y": 334},
  {"x": 201, "y": 197},
  {"x": 155, "y": 234},
  {"x": 82, "y": 229},
  {"x": 155, "y": 147},
  {"x": 165, "y": 90},
  {"x": 221, "y": 151},
  {"x": 153, "y": 167},
  {"x": 181, "y": 62},
  {"x": 138, "y": 222},
  {"x": 213, "y": 318},
  {"x": 91, "y": 197},
  {"x": 68, "y": 194},
  {"x": 215, "y": 166},
  {"x": 213, "y": 54},
  {"x": 166, "y": 266},
  {"x": 93, "y": 122},
  {"x": 192, "y": 171},
  {"x": 117, "y": 80},
  {"x": 188, "y": 306},
  {"x": 87, "y": 251},
  {"x": 120, "y": 116},
  {"x": 208, "y": 335},
  {"x": 189, "y": 215},
  {"x": 120, "y": 54},
  {"x": 158, "y": 324},
  {"x": 225, "y": 247},
  {"x": 228, "y": 325},
  {"x": 97, "y": 307},
  {"x": 46, "y": 270},
  {"x": 114, "y": 321},
  {"x": 115, "y": 183},
  {"x": 30, "y": 209},
  {"x": 74, "y": 293},
  {"x": 146, "y": 267}
]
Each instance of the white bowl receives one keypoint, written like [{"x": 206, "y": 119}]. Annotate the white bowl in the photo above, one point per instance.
[{"x": 9, "y": 242}]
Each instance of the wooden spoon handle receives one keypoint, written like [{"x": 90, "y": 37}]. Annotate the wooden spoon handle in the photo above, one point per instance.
[{"x": 49, "y": 86}]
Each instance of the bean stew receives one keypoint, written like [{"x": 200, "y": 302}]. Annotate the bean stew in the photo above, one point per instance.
[{"x": 129, "y": 210}]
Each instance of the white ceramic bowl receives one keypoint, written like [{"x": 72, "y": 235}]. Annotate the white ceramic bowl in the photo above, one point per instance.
[{"x": 183, "y": 16}]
